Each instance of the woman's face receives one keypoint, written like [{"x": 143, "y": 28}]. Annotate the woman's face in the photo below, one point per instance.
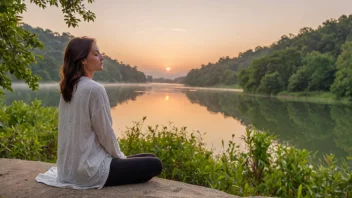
[{"x": 94, "y": 61}]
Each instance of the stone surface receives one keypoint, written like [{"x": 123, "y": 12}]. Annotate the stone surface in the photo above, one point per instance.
[{"x": 17, "y": 179}]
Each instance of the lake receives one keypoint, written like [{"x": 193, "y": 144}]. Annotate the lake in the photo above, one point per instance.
[{"x": 219, "y": 113}]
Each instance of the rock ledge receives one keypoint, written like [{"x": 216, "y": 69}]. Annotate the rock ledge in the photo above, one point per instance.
[{"x": 17, "y": 179}]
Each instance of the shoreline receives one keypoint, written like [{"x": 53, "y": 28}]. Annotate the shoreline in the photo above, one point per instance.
[{"x": 321, "y": 97}]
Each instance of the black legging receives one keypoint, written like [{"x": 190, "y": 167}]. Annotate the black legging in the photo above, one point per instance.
[{"x": 135, "y": 169}]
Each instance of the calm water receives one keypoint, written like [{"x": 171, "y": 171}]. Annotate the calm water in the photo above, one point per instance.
[{"x": 326, "y": 128}]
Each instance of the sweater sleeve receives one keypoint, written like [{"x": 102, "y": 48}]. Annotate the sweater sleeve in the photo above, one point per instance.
[{"x": 102, "y": 125}]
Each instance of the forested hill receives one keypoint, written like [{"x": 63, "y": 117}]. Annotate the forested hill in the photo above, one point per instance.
[
  {"x": 313, "y": 60},
  {"x": 225, "y": 70},
  {"x": 53, "y": 52}
]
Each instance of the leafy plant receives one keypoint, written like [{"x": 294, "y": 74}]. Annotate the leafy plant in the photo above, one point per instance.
[
  {"x": 16, "y": 43},
  {"x": 264, "y": 168},
  {"x": 28, "y": 131}
]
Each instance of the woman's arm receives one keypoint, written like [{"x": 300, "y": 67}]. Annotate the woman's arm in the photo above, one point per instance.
[{"x": 102, "y": 125}]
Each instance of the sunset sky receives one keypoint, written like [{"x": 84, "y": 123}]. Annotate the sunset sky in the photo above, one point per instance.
[{"x": 183, "y": 34}]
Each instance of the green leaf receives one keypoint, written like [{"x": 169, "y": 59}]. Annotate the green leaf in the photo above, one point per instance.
[{"x": 299, "y": 192}]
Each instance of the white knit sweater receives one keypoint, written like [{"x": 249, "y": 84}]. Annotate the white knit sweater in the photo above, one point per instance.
[{"x": 86, "y": 142}]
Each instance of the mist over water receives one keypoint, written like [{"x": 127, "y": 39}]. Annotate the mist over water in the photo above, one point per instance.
[{"x": 218, "y": 113}]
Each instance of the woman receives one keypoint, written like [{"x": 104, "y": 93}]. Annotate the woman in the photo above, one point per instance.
[{"x": 89, "y": 155}]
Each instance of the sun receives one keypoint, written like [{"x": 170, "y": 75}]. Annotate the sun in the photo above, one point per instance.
[{"x": 168, "y": 69}]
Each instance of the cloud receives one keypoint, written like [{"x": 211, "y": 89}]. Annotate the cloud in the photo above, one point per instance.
[{"x": 179, "y": 30}]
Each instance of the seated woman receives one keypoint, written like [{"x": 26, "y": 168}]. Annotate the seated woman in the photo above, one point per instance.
[{"x": 89, "y": 155}]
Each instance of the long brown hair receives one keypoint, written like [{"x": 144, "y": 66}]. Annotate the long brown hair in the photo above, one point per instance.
[{"x": 76, "y": 51}]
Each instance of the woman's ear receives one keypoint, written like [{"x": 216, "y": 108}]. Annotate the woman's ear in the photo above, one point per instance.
[{"x": 84, "y": 61}]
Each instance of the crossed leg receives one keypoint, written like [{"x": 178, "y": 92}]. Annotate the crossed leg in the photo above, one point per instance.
[{"x": 137, "y": 168}]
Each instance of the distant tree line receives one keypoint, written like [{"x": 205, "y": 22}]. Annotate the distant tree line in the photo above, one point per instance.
[
  {"x": 312, "y": 60},
  {"x": 225, "y": 70},
  {"x": 53, "y": 52},
  {"x": 178, "y": 80}
]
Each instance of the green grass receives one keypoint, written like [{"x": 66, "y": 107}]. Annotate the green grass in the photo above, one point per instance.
[
  {"x": 322, "y": 97},
  {"x": 316, "y": 97},
  {"x": 325, "y": 95},
  {"x": 312, "y": 96}
]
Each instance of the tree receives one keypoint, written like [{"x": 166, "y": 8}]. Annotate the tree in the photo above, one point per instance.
[
  {"x": 323, "y": 71},
  {"x": 270, "y": 84},
  {"x": 304, "y": 62},
  {"x": 17, "y": 44},
  {"x": 283, "y": 62},
  {"x": 316, "y": 74},
  {"x": 228, "y": 77},
  {"x": 342, "y": 85},
  {"x": 149, "y": 78},
  {"x": 48, "y": 69},
  {"x": 299, "y": 80}
]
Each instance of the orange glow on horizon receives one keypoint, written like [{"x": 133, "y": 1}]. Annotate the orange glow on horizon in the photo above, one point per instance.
[{"x": 151, "y": 35}]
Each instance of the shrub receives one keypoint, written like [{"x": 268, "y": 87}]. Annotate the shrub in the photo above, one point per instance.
[{"x": 28, "y": 131}]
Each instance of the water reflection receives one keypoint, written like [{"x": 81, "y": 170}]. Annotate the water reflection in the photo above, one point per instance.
[
  {"x": 162, "y": 108},
  {"x": 120, "y": 95},
  {"x": 326, "y": 128},
  {"x": 50, "y": 95}
]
